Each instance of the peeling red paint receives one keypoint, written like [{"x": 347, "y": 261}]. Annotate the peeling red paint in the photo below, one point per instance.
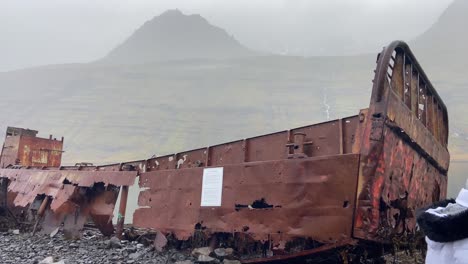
[{"x": 76, "y": 194}]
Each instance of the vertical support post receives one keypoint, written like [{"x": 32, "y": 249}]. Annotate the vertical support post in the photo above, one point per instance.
[
  {"x": 3, "y": 193},
  {"x": 245, "y": 149},
  {"x": 414, "y": 92},
  {"x": 340, "y": 134},
  {"x": 40, "y": 212},
  {"x": 407, "y": 79},
  {"x": 208, "y": 157},
  {"x": 122, "y": 210}
]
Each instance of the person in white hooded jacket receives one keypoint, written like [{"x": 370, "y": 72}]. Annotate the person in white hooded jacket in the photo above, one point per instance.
[{"x": 445, "y": 225}]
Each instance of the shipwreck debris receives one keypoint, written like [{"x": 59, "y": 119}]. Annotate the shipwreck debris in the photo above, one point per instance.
[{"x": 336, "y": 186}]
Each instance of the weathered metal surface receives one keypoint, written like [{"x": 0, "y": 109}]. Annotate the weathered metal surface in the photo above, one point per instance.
[
  {"x": 3, "y": 193},
  {"x": 326, "y": 247},
  {"x": 329, "y": 138},
  {"x": 22, "y": 147},
  {"x": 310, "y": 197},
  {"x": 75, "y": 195},
  {"x": 122, "y": 210},
  {"x": 404, "y": 157}
]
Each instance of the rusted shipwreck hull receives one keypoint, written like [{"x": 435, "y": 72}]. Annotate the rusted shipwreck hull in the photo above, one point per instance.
[{"x": 290, "y": 193}]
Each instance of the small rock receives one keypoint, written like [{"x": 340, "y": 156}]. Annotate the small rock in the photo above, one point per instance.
[
  {"x": 114, "y": 242},
  {"x": 220, "y": 252},
  {"x": 47, "y": 260},
  {"x": 57, "y": 248},
  {"x": 54, "y": 232},
  {"x": 205, "y": 251},
  {"x": 73, "y": 245},
  {"x": 206, "y": 259},
  {"x": 160, "y": 241},
  {"x": 139, "y": 246},
  {"x": 131, "y": 249},
  {"x": 16, "y": 232},
  {"x": 135, "y": 255},
  {"x": 177, "y": 256}
]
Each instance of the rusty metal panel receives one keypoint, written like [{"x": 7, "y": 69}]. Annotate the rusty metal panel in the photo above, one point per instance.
[
  {"x": 397, "y": 81},
  {"x": 403, "y": 182},
  {"x": 38, "y": 152},
  {"x": 403, "y": 163},
  {"x": 329, "y": 138},
  {"x": 191, "y": 159},
  {"x": 310, "y": 198},
  {"x": 430, "y": 113},
  {"x": 167, "y": 162},
  {"x": 414, "y": 90},
  {"x": 22, "y": 147},
  {"x": 350, "y": 129},
  {"x": 402, "y": 118},
  {"x": 10, "y": 151},
  {"x": 76, "y": 195},
  {"x": 422, "y": 102},
  {"x": 228, "y": 153},
  {"x": 268, "y": 147},
  {"x": 49, "y": 178},
  {"x": 408, "y": 74}
]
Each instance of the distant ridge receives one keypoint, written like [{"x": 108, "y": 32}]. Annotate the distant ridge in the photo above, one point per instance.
[
  {"x": 176, "y": 36},
  {"x": 447, "y": 37}
]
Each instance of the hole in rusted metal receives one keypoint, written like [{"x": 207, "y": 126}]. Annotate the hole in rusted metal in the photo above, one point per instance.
[
  {"x": 199, "y": 226},
  {"x": 257, "y": 204},
  {"x": 345, "y": 204}
]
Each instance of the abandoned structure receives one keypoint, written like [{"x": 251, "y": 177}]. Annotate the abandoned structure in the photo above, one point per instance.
[{"x": 282, "y": 195}]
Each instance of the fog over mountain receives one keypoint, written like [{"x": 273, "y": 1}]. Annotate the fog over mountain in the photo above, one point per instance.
[
  {"x": 35, "y": 33},
  {"x": 447, "y": 39},
  {"x": 175, "y": 36}
]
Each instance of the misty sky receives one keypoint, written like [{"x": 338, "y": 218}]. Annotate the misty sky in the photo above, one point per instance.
[{"x": 54, "y": 31}]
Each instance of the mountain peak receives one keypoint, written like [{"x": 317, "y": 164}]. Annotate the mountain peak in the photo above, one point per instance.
[
  {"x": 172, "y": 12},
  {"x": 446, "y": 38},
  {"x": 176, "y": 36}
]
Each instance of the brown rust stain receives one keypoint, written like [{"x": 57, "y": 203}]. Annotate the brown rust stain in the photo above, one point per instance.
[
  {"x": 25, "y": 149},
  {"x": 404, "y": 161},
  {"x": 274, "y": 200}
]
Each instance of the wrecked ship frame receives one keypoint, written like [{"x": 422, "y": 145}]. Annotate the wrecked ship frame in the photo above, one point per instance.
[{"x": 282, "y": 195}]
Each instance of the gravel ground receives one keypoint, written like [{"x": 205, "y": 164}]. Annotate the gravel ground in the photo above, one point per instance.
[
  {"x": 17, "y": 247},
  {"x": 92, "y": 248},
  {"x": 404, "y": 258}
]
